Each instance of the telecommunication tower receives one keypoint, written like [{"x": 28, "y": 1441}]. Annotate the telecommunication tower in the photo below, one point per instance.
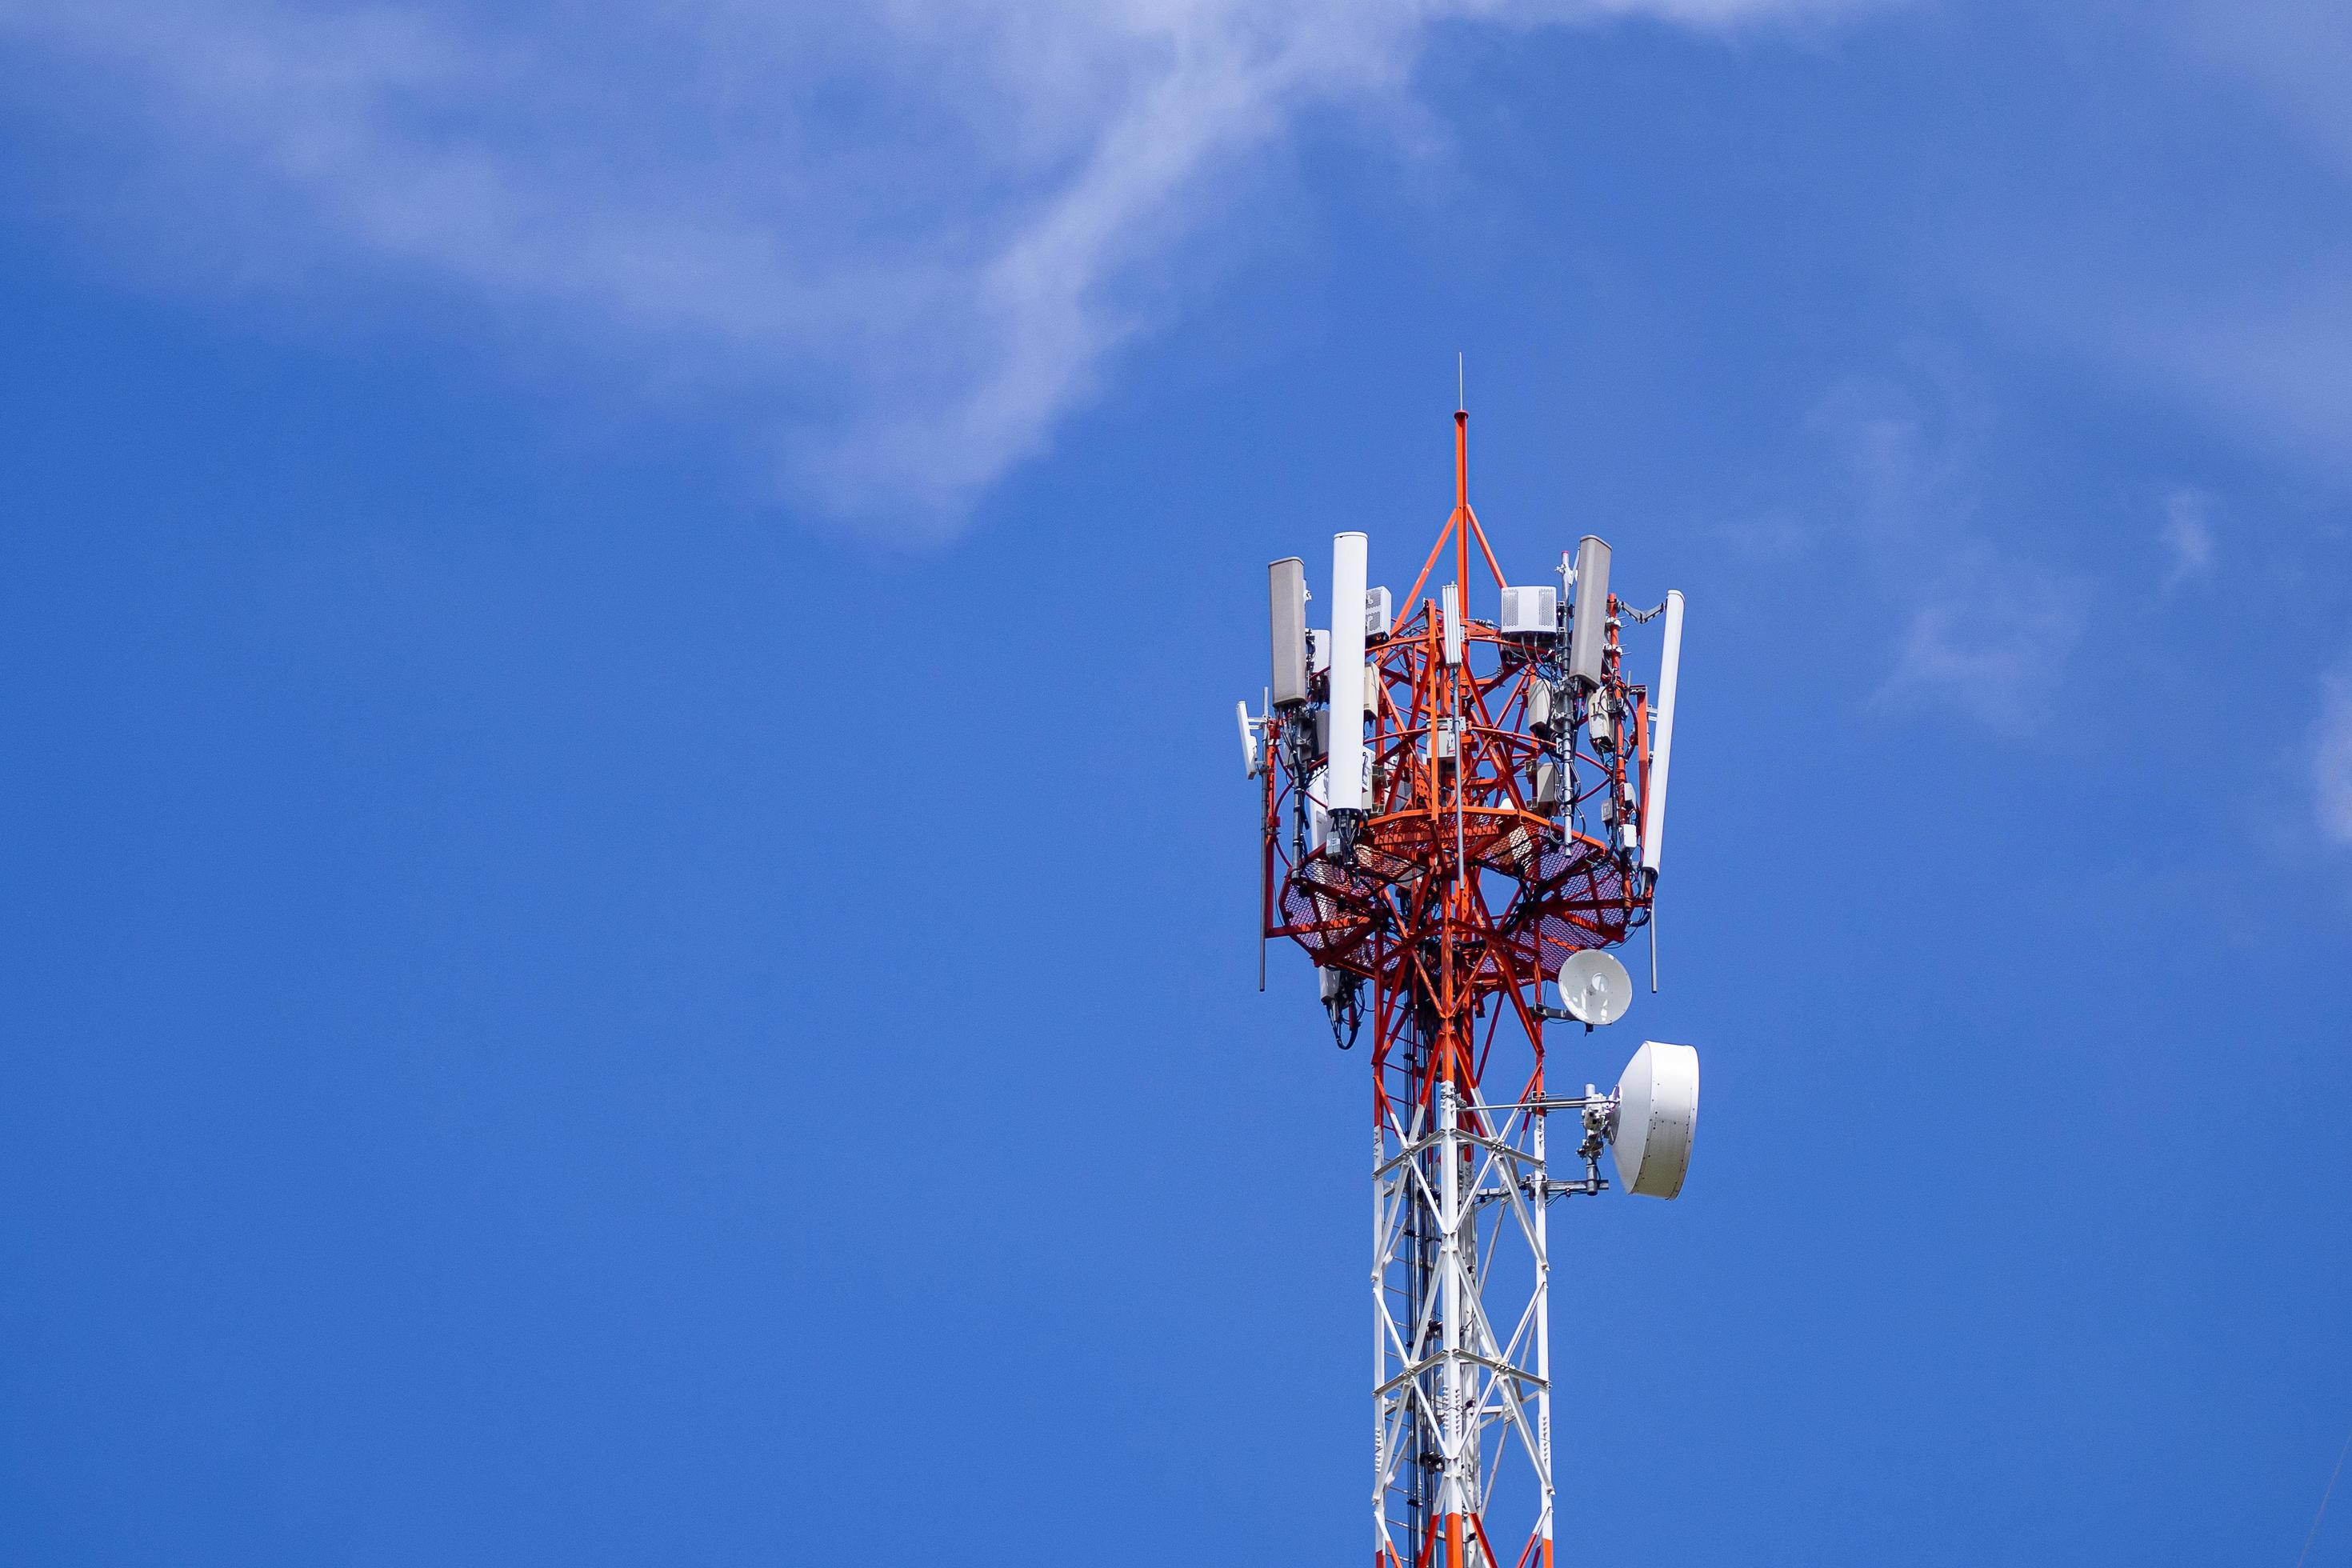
[{"x": 1455, "y": 810}]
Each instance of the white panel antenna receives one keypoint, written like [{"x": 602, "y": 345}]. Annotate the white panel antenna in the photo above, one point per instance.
[
  {"x": 1344, "y": 775},
  {"x": 1588, "y": 635},
  {"x": 1285, "y": 582},
  {"x": 1661, "y": 749},
  {"x": 1449, "y": 612}
]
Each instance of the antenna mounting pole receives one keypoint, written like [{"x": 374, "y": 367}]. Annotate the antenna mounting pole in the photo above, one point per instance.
[{"x": 1462, "y": 511}]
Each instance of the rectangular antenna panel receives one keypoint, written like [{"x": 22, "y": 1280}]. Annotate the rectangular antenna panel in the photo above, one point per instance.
[
  {"x": 1345, "y": 788},
  {"x": 1376, "y": 612},
  {"x": 1285, "y": 581},
  {"x": 1318, "y": 649},
  {"x": 1449, "y": 610},
  {"x": 1529, "y": 611},
  {"x": 1661, "y": 746},
  {"x": 1589, "y": 633}
]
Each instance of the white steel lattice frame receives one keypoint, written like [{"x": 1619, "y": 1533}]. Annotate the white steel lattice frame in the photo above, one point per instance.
[{"x": 1454, "y": 1395}]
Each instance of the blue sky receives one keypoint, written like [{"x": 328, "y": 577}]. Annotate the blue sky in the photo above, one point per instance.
[{"x": 628, "y": 900}]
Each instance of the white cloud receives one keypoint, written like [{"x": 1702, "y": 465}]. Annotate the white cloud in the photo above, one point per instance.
[
  {"x": 1776, "y": 535},
  {"x": 2298, "y": 53},
  {"x": 2188, "y": 231},
  {"x": 2187, "y": 532},
  {"x": 939, "y": 219},
  {"x": 1992, "y": 645},
  {"x": 1986, "y": 629},
  {"x": 2331, "y": 758},
  {"x": 2268, "y": 359}
]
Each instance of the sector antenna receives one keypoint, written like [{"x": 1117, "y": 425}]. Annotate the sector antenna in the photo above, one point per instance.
[{"x": 1463, "y": 809}]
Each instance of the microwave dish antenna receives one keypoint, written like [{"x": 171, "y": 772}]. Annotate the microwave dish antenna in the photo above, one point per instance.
[
  {"x": 1657, "y": 1113},
  {"x": 1594, "y": 987}
]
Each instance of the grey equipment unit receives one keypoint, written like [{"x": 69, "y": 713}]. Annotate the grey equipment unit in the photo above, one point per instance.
[
  {"x": 1547, "y": 784},
  {"x": 1285, "y": 581},
  {"x": 1442, "y": 739},
  {"x": 1531, "y": 612},
  {"x": 1589, "y": 636},
  {"x": 1545, "y": 707},
  {"x": 1376, "y": 612}
]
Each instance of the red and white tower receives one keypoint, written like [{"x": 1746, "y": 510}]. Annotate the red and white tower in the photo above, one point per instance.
[{"x": 1457, "y": 809}]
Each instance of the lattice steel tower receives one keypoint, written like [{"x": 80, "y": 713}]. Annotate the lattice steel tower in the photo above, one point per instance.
[{"x": 1456, "y": 809}]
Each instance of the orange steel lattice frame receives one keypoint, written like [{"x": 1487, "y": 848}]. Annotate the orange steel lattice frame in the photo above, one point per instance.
[{"x": 1448, "y": 899}]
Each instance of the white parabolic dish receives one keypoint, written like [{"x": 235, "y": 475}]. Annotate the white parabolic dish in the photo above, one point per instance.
[
  {"x": 1594, "y": 987},
  {"x": 1657, "y": 1110}
]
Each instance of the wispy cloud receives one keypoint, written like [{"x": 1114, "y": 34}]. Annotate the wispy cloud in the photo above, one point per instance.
[
  {"x": 2183, "y": 219},
  {"x": 2266, "y": 359},
  {"x": 2298, "y": 53},
  {"x": 1775, "y": 536},
  {"x": 2331, "y": 758},
  {"x": 945, "y": 216},
  {"x": 2187, "y": 534},
  {"x": 1986, "y": 630}
]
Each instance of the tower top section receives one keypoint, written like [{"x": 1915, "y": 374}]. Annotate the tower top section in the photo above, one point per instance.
[{"x": 1464, "y": 787}]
